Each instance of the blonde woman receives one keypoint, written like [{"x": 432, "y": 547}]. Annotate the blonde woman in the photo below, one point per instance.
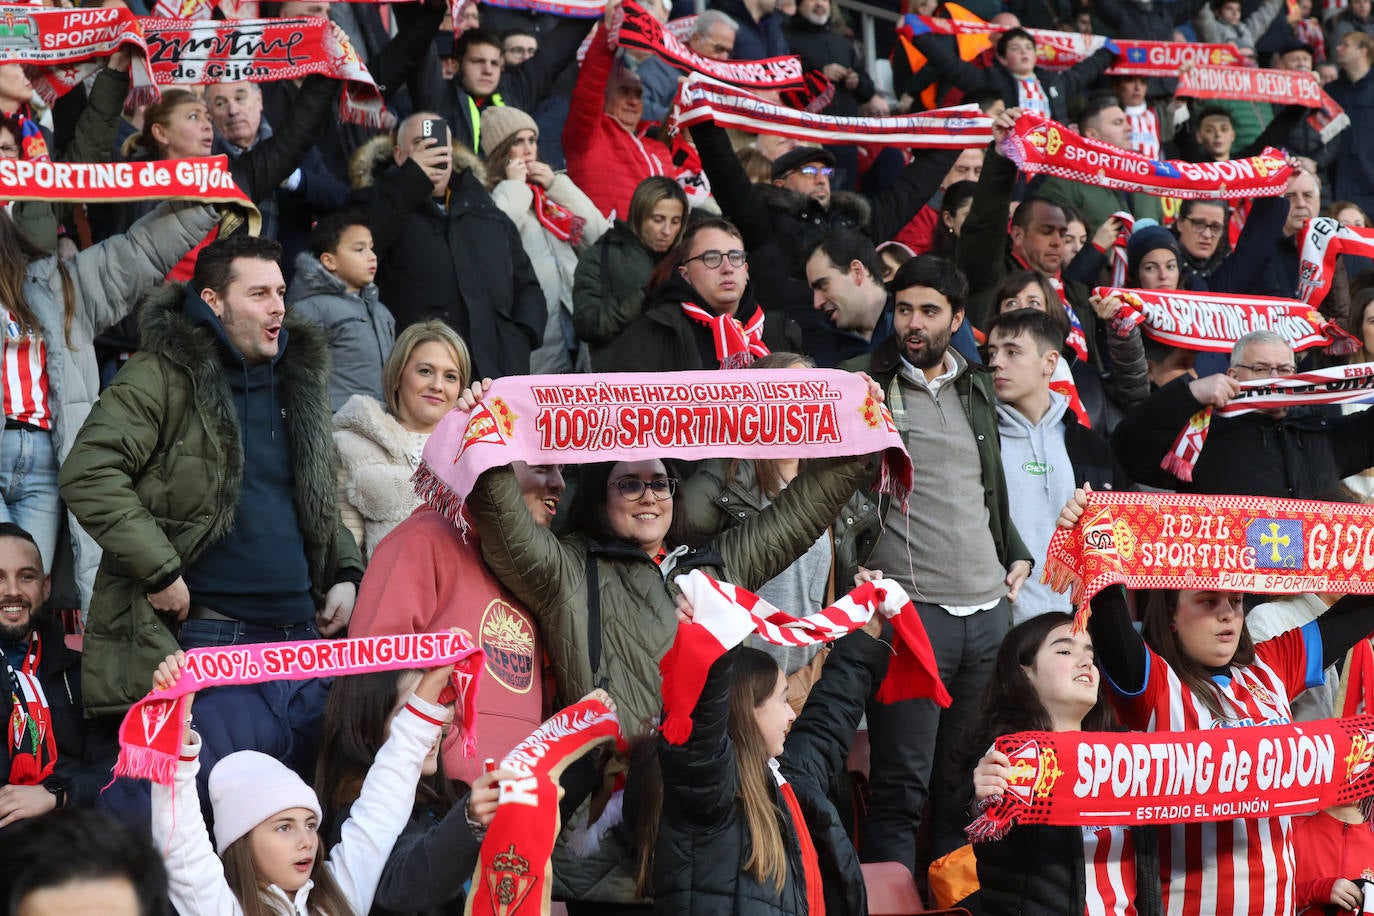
[{"x": 380, "y": 444}]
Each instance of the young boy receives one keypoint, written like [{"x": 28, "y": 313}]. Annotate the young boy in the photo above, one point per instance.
[{"x": 333, "y": 286}]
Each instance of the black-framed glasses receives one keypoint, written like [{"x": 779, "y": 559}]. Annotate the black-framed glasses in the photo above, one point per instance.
[
  {"x": 1203, "y": 227},
  {"x": 823, "y": 171},
  {"x": 1268, "y": 370},
  {"x": 632, "y": 488},
  {"x": 712, "y": 258}
]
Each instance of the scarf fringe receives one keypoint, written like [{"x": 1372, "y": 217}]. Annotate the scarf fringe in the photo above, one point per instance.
[
  {"x": 137, "y": 762},
  {"x": 993, "y": 824},
  {"x": 1175, "y": 464},
  {"x": 439, "y": 497}
]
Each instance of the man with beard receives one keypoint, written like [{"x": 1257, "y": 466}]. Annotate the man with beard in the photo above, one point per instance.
[
  {"x": 53, "y": 758},
  {"x": 954, "y": 548}
]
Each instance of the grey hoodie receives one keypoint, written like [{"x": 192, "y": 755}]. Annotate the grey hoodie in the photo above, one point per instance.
[
  {"x": 1040, "y": 480},
  {"x": 360, "y": 330}
]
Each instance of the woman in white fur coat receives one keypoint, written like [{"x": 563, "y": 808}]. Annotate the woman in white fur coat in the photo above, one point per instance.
[
  {"x": 380, "y": 444},
  {"x": 557, "y": 222}
]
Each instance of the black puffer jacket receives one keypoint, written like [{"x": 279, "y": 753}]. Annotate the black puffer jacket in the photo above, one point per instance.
[
  {"x": 1302, "y": 456},
  {"x": 703, "y": 842},
  {"x": 1038, "y": 870}
]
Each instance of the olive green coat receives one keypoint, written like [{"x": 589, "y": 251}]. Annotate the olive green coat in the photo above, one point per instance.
[{"x": 155, "y": 474}]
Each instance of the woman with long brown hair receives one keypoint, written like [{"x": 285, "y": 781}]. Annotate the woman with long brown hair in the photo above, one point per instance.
[{"x": 738, "y": 820}]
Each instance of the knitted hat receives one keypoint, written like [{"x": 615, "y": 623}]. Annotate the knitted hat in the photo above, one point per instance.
[
  {"x": 1147, "y": 236},
  {"x": 499, "y": 122},
  {"x": 248, "y": 787}
]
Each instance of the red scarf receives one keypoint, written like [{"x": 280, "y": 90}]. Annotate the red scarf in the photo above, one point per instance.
[
  {"x": 737, "y": 345},
  {"x": 811, "y": 865},
  {"x": 1097, "y": 779},
  {"x": 637, "y": 28},
  {"x": 725, "y": 614},
  {"x": 59, "y": 48},
  {"x": 1319, "y": 242},
  {"x": 702, "y": 99},
  {"x": 1279, "y": 87},
  {"x": 1213, "y": 322},
  {"x": 561, "y": 222},
  {"x": 186, "y": 52},
  {"x": 32, "y": 744},
  {"x": 1042, "y": 146},
  {"x": 514, "y": 874}
]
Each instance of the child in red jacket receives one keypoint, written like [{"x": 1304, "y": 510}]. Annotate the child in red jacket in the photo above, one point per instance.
[{"x": 1332, "y": 849}]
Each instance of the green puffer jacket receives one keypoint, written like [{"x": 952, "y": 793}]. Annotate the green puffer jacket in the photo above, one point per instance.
[
  {"x": 714, "y": 502},
  {"x": 638, "y": 622},
  {"x": 155, "y": 473}
]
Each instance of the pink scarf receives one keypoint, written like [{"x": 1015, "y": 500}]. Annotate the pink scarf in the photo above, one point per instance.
[
  {"x": 637, "y": 416},
  {"x": 148, "y": 748},
  {"x": 724, "y": 614}
]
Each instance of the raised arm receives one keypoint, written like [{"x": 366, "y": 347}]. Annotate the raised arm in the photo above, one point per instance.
[
  {"x": 730, "y": 185},
  {"x": 700, "y": 777}
]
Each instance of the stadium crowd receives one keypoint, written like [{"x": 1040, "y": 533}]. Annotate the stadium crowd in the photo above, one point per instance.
[{"x": 224, "y": 419}]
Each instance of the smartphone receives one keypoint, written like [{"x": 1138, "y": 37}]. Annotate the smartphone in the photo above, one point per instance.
[{"x": 435, "y": 128}]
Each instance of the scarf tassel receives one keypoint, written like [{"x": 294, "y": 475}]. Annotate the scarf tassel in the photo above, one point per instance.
[
  {"x": 994, "y": 823},
  {"x": 441, "y": 498}
]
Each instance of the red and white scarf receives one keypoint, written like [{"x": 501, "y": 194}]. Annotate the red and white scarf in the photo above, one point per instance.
[
  {"x": 702, "y": 99},
  {"x": 1096, "y": 779},
  {"x": 59, "y": 48},
  {"x": 1118, "y": 257},
  {"x": 1062, "y": 50},
  {"x": 724, "y": 614},
  {"x": 737, "y": 343},
  {"x": 562, "y": 223},
  {"x": 637, "y": 28},
  {"x": 1336, "y": 385},
  {"x": 514, "y": 873},
  {"x": 206, "y": 179},
  {"x": 1041, "y": 146},
  {"x": 1145, "y": 135},
  {"x": 1320, "y": 241},
  {"x": 1213, "y": 322},
  {"x": 1279, "y": 87},
  {"x": 32, "y": 743},
  {"x": 148, "y": 748},
  {"x": 185, "y": 52}
]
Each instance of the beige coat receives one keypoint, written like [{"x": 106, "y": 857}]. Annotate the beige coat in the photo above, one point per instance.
[{"x": 375, "y": 492}]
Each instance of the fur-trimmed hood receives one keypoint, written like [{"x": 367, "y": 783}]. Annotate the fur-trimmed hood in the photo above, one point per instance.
[
  {"x": 375, "y": 156},
  {"x": 795, "y": 204}
]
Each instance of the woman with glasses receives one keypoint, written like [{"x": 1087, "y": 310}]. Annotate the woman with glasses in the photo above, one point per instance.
[{"x": 1207, "y": 259}]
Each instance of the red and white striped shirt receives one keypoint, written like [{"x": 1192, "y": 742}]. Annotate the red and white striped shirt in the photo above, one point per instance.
[
  {"x": 25, "y": 360},
  {"x": 1144, "y": 125},
  {"x": 1110, "y": 888},
  {"x": 1241, "y": 867},
  {"x": 1031, "y": 95}
]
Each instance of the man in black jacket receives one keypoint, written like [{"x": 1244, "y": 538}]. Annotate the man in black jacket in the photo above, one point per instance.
[
  {"x": 1301, "y": 453},
  {"x": 446, "y": 251},
  {"x": 705, "y": 315},
  {"x": 781, "y": 222},
  {"x": 52, "y": 756}
]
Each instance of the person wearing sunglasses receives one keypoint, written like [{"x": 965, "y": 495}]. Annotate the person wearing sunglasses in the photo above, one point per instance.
[
  {"x": 602, "y": 591},
  {"x": 704, "y": 314}
]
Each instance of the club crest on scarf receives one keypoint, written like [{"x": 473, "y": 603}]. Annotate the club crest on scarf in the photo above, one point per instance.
[
  {"x": 491, "y": 422},
  {"x": 1034, "y": 771},
  {"x": 1361, "y": 755},
  {"x": 509, "y": 881}
]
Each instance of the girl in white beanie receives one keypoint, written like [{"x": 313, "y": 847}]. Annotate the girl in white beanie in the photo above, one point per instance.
[{"x": 267, "y": 821}]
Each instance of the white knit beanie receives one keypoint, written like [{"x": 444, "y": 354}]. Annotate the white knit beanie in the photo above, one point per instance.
[{"x": 248, "y": 787}]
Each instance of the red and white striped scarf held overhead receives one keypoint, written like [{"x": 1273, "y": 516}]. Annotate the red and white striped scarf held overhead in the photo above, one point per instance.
[
  {"x": 701, "y": 99},
  {"x": 1041, "y": 146},
  {"x": 724, "y": 614},
  {"x": 1320, "y": 241}
]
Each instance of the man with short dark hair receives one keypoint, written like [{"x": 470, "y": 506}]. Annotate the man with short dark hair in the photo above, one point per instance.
[
  {"x": 1046, "y": 452},
  {"x": 955, "y": 549},
  {"x": 53, "y": 757},
  {"x": 1104, "y": 120},
  {"x": 517, "y": 46},
  {"x": 841, "y": 272},
  {"x": 208, "y": 456},
  {"x": 705, "y": 315}
]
